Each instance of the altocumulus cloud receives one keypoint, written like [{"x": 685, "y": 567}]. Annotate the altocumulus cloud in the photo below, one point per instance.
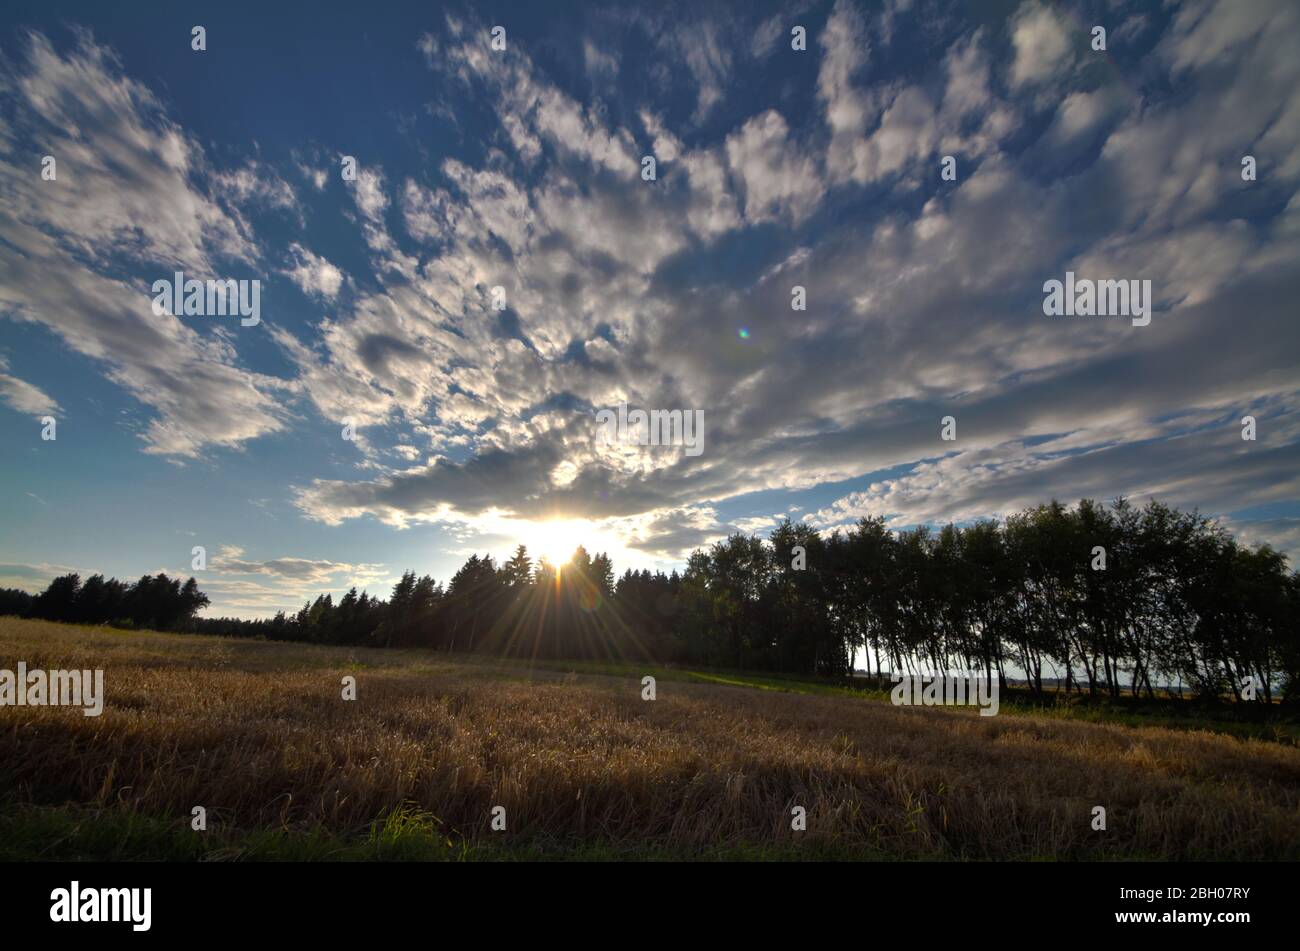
[
  {"x": 923, "y": 295},
  {"x": 131, "y": 194},
  {"x": 924, "y": 306}
]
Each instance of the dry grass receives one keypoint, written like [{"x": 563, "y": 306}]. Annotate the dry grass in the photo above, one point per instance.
[{"x": 258, "y": 734}]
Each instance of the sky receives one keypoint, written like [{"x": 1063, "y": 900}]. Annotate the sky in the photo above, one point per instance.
[{"x": 473, "y": 413}]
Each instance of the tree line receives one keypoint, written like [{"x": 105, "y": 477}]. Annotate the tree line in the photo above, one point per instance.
[
  {"x": 1099, "y": 599},
  {"x": 155, "y": 601}
]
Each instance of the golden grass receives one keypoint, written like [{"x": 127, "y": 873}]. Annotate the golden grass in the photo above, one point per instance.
[{"x": 258, "y": 734}]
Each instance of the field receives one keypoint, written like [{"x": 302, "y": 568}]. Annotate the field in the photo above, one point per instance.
[{"x": 257, "y": 733}]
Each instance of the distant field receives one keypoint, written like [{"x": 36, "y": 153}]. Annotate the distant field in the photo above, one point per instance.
[{"x": 257, "y": 733}]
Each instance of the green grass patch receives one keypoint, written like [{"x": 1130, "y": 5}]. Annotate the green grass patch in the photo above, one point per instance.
[{"x": 81, "y": 834}]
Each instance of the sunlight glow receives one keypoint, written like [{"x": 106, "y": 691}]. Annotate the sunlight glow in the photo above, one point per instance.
[{"x": 557, "y": 539}]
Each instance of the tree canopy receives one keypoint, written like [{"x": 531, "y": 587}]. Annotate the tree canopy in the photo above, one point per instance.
[{"x": 1100, "y": 598}]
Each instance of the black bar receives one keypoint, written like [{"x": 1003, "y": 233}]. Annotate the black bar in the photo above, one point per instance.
[{"x": 332, "y": 900}]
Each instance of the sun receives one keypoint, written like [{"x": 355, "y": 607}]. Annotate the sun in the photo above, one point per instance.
[{"x": 557, "y": 539}]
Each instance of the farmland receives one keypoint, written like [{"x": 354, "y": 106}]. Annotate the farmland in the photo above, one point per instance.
[{"x": 258, "y": 735}]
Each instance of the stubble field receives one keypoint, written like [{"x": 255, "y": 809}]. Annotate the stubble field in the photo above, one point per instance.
[{"x": 259, "y": 736}]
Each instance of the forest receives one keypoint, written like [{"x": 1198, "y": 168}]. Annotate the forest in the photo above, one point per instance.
[{"x": 1097, "y": 599}]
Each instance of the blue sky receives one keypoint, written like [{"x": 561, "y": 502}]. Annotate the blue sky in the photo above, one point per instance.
[{"x": 521, "y": 168}]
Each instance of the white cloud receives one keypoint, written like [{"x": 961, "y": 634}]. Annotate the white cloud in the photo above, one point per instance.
[
  {"x": 1043, "y": 44},
  {"x": 601, "y": 66},
  {"x": 313, "y": 274},
  {"x": 128, "y": 188},
  {"x": 22, "y": 396},
  {"x": 307, "y": 571},
  {"x": 777, "y": 181},
  {"x": 706, "y": 49}
]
